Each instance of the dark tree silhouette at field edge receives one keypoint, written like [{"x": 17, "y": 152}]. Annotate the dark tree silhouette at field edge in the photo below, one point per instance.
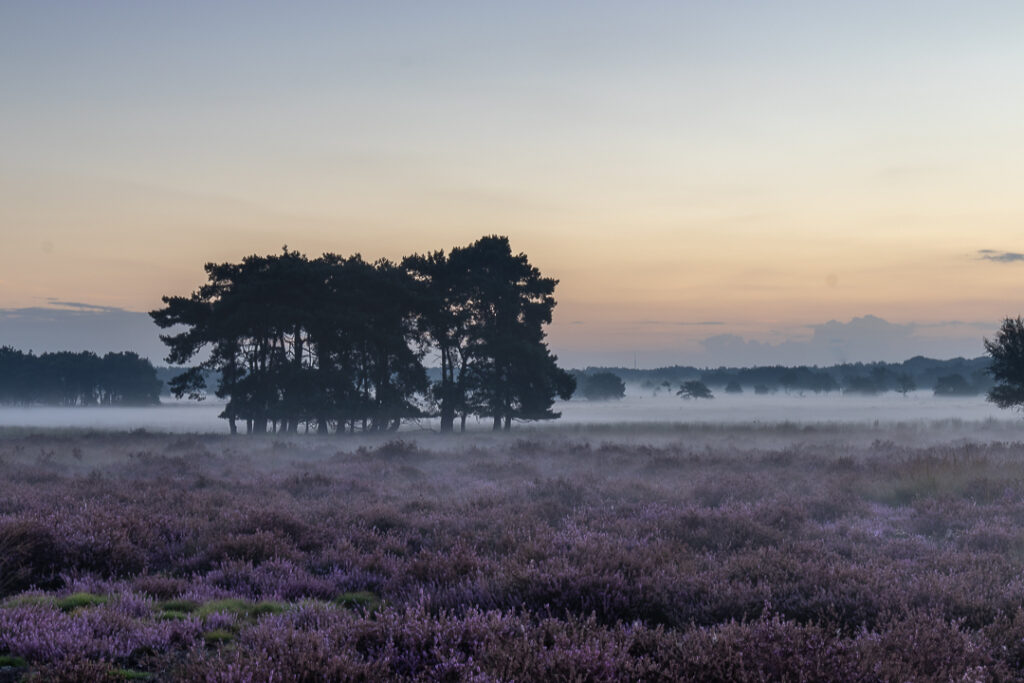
[{"x": 338, "y": 343}]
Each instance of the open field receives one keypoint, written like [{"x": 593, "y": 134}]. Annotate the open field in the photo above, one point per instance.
[{"x": 814, "y": 551}]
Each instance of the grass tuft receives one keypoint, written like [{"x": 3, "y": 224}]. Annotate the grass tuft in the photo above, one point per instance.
[
  {"x": 218, "y": 636},
  {"x": 227, "y": 605},
  {"x": 241, "y": 608},
  {"x": 81, "y": 601},
  {"x": 182, "y": 606},
  {"x": 361, "y": 600}
]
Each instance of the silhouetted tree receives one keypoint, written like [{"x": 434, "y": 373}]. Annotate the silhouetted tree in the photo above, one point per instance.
[
  {"x": 443, "y": 287},
  {"x": 953, "y": 385},
  {"x": 127, "y": 379},
  {"x": 733, "y": 387},
  {"x": 1007, "y": 368},
  {"x": 339, "y": 342},
  {"x": 82, "y": 378},
  {"x": 694, "y": 389},
  {"x": 905, "y": 383},
  {"x": 512, "y": 374},
  {"x": 860, "y": 384},
  {"x": 601, "y": 386}
]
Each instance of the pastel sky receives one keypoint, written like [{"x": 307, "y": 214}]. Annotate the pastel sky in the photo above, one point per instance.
[{"x": 696, "y": 174}]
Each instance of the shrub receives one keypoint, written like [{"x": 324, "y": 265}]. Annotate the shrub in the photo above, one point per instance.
[{"x": 29, "y": 556}]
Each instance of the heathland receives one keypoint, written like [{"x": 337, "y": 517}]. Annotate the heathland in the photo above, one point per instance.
[{"x": 704, "y": 552}]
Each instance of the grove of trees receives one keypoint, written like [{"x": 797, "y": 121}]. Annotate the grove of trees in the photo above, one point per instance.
[
  {"x": 67, "y": 378},
  {"x": 338, "y": 343},
  {"x": 601, "y": 386},
  {"x": 918, "y": 373}
]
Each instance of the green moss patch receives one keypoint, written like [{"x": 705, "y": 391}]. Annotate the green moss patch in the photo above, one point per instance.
[
  {"x": 172, "y": 615},
  {"x": 184, "y": 606},
  {"x": 242, "y": 608},
  {"x": 218, "y": 636},
  {"x": 361, "y": 600},
  {"x": 81, "y": 601},
  {"x": 227, "y": 605}
]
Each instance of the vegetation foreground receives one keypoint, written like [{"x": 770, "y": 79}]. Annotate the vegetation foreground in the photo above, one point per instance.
[{"x": 730, "y": 554}]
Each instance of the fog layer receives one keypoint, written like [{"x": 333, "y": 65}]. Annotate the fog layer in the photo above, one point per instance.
[{"x": 635, "y": 408}]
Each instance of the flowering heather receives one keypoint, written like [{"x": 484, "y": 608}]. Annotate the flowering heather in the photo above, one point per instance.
[{"x": 705, "y": 553}]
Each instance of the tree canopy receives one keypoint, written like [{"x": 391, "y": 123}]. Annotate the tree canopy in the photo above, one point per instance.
[
  {"x": 68, "y": 378},
  {"x": 600, "y": 386},
  {"x": 339, "y": 343},
  {"x": 694, "y": 389},
  {"x": 1007, "y": 367}
]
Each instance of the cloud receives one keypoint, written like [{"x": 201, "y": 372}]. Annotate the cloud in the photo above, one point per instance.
[
  {"x": 81, "y": 306},
  {"x": 1000, "y": 256}
]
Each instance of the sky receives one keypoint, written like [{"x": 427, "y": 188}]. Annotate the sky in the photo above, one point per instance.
[{"x": 759, "y": 181}]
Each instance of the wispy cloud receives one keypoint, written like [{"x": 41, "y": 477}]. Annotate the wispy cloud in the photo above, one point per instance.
[
  {"x": 1000, "y": 256},
  {"x": 78, "y": 305}
]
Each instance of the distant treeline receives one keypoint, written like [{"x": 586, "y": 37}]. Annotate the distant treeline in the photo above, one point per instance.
[
  {"x": 67, "y": 378},
  {"x": 956, "y": 377},
  {"x": 338, "y": 343}
]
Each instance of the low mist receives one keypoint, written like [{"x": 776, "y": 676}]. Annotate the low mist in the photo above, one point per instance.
[{"x": 636, "y": 408}]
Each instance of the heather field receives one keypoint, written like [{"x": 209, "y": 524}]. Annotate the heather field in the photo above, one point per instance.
[{"x": 740, "y": 552}]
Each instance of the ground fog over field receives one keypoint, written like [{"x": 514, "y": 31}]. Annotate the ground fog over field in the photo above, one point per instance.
[
  {"x": 843, "y": 551},
  {"x": 636, "y": 408}
]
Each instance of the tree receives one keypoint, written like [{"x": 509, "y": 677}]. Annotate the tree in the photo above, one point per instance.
[
  {"x": 601, "y": 386},
  {"x": 694, "y": 389},
  {"x": 339, "y": 341},
  {"x": 512, "y": 373},
  {"x": 733, "y": 387},
  {"x": 860, "y": 384},
  {"x": 1007, "y": 368},
  {"x": 127, "y": 379},
  {"x": 442, "y": 286},
  {"x": 905, "y": 383},
  {"x": 953, "y": 385},
  {"x": 77, "y": 379}
]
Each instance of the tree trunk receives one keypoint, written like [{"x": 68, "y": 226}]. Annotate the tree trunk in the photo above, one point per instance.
[
  {"x": 497, "y": 424},
  {"x": 232, "y": 425},
  {"x": 447, "y": 419},
  {"x": 508, "y": 422}
]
